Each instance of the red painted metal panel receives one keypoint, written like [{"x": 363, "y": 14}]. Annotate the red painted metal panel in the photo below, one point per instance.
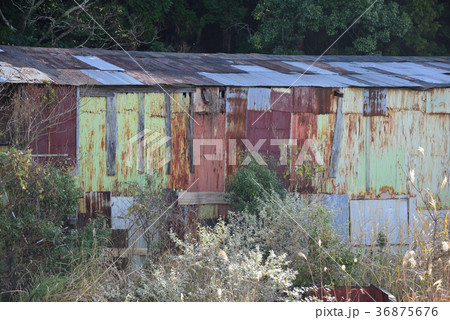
[
  {"x": 282, "y": 99},
  {"x": 304, "y": 99},
  {"x": 280, "y": 128},
  {"x": 304, "y": 126},
  {"x": 323, "y": 100},
  {"x": 236, "y": 123},
  {"x": 63, "y": 134},
  {"x": 210, "y": 173},
  {"x": 354, "y": 294},
  {"x": 268, "y": 126},
  {"x": 258, "y": 127},
  {"x": 52, "y": 112}
]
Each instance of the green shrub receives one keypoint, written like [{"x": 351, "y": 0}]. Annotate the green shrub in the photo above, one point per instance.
[
  {"x": 250, "y": 183},
  {"x": 35, "y": 201}
]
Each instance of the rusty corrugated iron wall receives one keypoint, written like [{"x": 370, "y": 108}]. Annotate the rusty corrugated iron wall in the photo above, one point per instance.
[{"x": 381, "y": 131}]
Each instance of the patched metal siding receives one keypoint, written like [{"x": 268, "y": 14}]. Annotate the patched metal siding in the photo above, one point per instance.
[
  {"x": 92, "y": 142},
  {"x": 236, "y": 125},
  {"x": 155, "y": 129},
  {"x": 374, "y": 102},
  {"x": 179, "y": 160},
  {"x": 210, "y": 173},
  {"x": 92, "y": 205}
]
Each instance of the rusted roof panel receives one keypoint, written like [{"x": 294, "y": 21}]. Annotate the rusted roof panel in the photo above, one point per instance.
[{"x": 66, "y": 66}]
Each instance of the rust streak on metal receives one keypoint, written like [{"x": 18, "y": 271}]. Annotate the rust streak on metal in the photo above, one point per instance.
[
  {"x": 236, "y": 123},
  {"x": 210, "y": 173}
]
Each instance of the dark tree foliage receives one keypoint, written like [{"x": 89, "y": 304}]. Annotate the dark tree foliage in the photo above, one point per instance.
[{"x": 390, "y": 27}]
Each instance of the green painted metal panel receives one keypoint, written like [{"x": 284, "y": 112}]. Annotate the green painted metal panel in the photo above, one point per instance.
[
  {"x": 127, "y": 105},
  {"x": 92, "y": 140},
  {"x": 155, "y": 152}
]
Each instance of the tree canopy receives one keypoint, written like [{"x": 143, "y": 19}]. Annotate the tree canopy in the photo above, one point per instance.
[{"x": 400, "y": 27}]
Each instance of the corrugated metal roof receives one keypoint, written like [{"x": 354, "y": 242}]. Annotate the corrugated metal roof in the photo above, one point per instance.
[
  {"x": 84, "y": 66},
  {"x": 112, "y": 78},
  {"x": 309, "y": 67},
  {"x": 99, "y": 63}
]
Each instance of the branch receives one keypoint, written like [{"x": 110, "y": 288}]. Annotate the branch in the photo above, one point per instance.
[{"x": 10, "y": 26}]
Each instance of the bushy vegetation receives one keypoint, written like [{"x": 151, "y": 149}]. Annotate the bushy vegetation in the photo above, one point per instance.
[
  {"x": 35, "y": 243},
  {"x": 251, "y": 184},
  {"x": 276, "y": 246}
]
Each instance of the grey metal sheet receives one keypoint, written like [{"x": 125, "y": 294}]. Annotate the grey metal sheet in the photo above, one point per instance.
[
  {"x": 305, "y": 66},
  {"x": 406, "y": 68},
  {"x": 111, "y": 77},
  {"x": 252, "y": 68},
  {"x": 372, "y": 217},
  {"x": 433, "y": 78},
  {"x": 278, "y": 79},
  {"x": 98, "y": 63},
  {"x": 383, "y": 80},
  {"x": 441, "y": 65}
]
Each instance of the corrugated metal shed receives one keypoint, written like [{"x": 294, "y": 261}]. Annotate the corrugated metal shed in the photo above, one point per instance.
[{"x": 107, "y": 67}]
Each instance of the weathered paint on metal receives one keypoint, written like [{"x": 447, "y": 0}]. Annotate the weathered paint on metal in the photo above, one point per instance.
[
  {"x": 127, "y": 105},
  {"x": 374, "y": 102},
  {"x": 438, "y": 100},
  {"x": 259, "y": 127},
  {"x": 304, "y": 99},
  {"x": 92, "y": 205},
  {"x": 350, "y": 177},
  {"x": 304, "y": 126},
  {"x": 52, "y": 111},
  {"x": 282, "y": 99},
  {"x": 120, "y": 219},
  {"x": 62, "y": 130},
  {"x": 258, "y": 99},
  {"x": 236, "y": 124},
  {"x": 280, "y": 129},
  {"x": 324, "y": 101},
  {"x": 384, "y": 157},
  {"x": 111, "y": 135},
  {"x": 371, "y": 217},
  {"x": 207, "y": 100},
  {"x": 324, "y": 140},
  {"x": 179, "y": 160},
  {"x": 352, "y": 101},
  {"x": 337, "y": 136},
  {"x": 210, "y": 173},
  {"x": 12, "y": 74},
  {"x": 154, "y": 124},
  {"x": 92, "y": 152},
  {"x": 403, "y": 99},
  {"x": 60, "y": 66}
]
